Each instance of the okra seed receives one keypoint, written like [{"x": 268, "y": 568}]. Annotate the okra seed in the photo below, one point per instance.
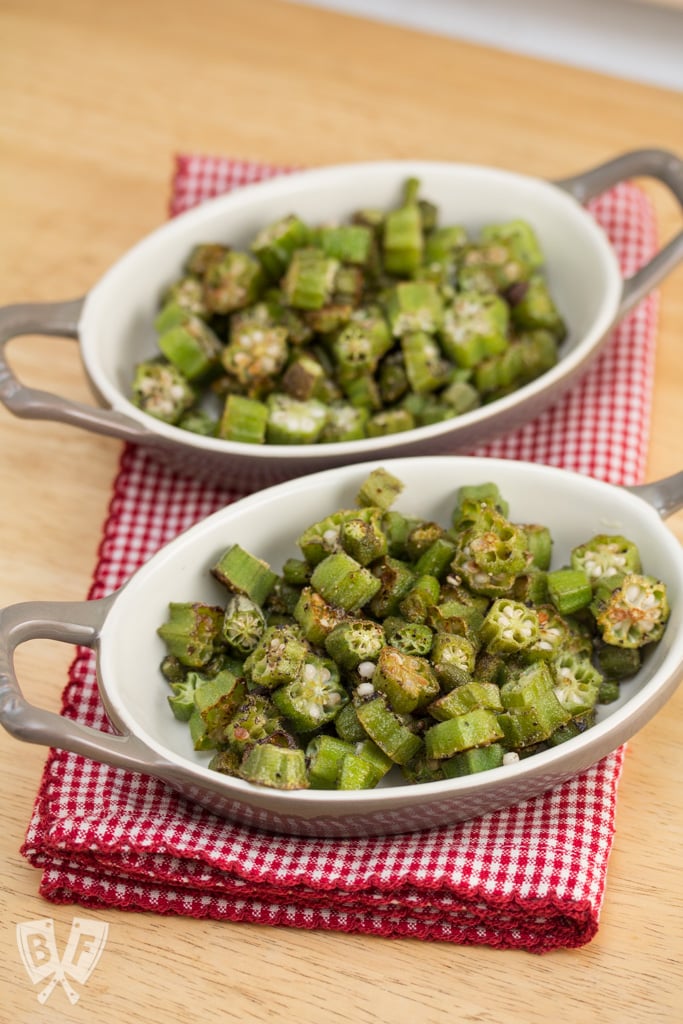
[
  {"x": 511, "y": 757},
  {"x": 366, "y": 669}
]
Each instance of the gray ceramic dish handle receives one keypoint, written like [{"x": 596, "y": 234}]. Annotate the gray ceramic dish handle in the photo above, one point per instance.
[
  {"x": 58, "y": 319},
  {"x": 73, "y": 623},
  {"x": 82, "y": 622},
  {"x": 641, "y": 163},
  {"x": 61, "y": 318}
]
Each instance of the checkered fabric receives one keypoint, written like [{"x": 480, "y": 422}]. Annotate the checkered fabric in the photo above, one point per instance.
[{"x": 530, "y": 877}]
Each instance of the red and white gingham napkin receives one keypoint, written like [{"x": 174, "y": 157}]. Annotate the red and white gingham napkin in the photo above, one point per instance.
[{"x": 529, "y": 877}]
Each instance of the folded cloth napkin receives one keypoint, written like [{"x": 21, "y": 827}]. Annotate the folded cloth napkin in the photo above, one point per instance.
[{"x": 530, "y": 877}]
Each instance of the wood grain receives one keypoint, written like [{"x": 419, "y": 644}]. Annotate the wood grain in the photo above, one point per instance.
[{"x": 97, "y": 99}]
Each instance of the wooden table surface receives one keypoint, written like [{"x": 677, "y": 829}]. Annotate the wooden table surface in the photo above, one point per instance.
[{"x": 96, "y": 99}]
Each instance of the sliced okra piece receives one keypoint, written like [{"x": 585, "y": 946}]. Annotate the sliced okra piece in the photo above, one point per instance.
[
  {"x": 192, "y": 347},
  {"x": 539, "y": 542},
  {"x": 355, "y": 641},
  {"x": 296, "y": 572},
  {"x": 255, "y": 719},
  {"x": 232, "y": 283},
  {"x": 569, "y": 590},
  {"x": 364, "y": 340},
  {"x": 184, "y": 299},
  {"x": 316, "y": 617},
  {"x": 192, "y": 632},
  {"x": 348, "y": 243},
  {"x": 368, "y": 749},
  {"x": 466, "y": 698},
  {"x": 269, "y": 764},
  {"x": 532, "y": 709},
  {"x": 476, "y": 759},
  {"x": 474, "y": 326},
  {"x": 509, "y": 627},
  {"x": 227, "y": 762},
  {"x": 402, "y": 234},
  {"x": 521, "y": 236},
  {"x": 380, "y": 489},
  {"x": 281, "y": 602},
  {"x": 635, "y": 613},
  {"x": 244, "y": 573},
  {"x": 347, "y": 725},
  {"x": 396, "y": 578},
  {"x": 324, "y": 755},
  {"x": 204, "y": 255},
  {"x": 344, "y": 422},
  {"x": 524, "y": 360},
  {"x": 356, "y": 772},
  {"x": 303, "y": 377},
  {"x": 422, "y": 769},
  {"x": 460, "y": 396},
  {"x": 199, "y": 422},
  {"x": 314, "y": 698},
  {"x": 321, "y": 539},
  {"x": 535, "y": 308},
  {"x": 392, "y": 378},
  {"x": 293, "y": 422},
  {"x": 574, "y": 727},
  {"x": 473, "y": 500},
  {"x": 577, "y": 682},
  {"x": 553, "y": 635},
  {"x": 331, "y": 317},
  {"x": 457, "y": 618},
  {"x": 243, "y": 419},
  {"x": 388, "y": 730},
  {"x": 277, "y": 658},
  {"x": 618, "y": 662},
  {"x": 606, "y": 555},
  {"x": 531, "y": 587},
  {"x": 161, "y": 390},
  {"x": 609, "y": 691},
  {"x": 490, "y": 558},
  {"x": 198, "y": 732},
  {"x": 443, "y": 245},
  {"x": 243, "y": 624},
  {"x": 426, "y": 368},
  {"x": 361, "y": 390},
  {"x": 182, "y": 701},
  {"x": 476, "y": 728},
  {"x": 275, "y": 244},
  {"x": 255, "y": 355},
  {"x": 363, "y": 538},
  {"x": 408, "y": 682},
  {"x": 217, "y": 701},
  {"x": 453, "y": 659},
  {"x": 422, "y": 596},
  {"x": 343, "y": 582},
  {"x": 391, "y": 421},
  {"x": 436, "y": 558},
  {"x": 412, "y": 638},
  {"x": 309, "y": 280},
  {"x": 413, "y": 306},
  {"x": 495, "y": 260},
  {"x": 397, "y": 527},
  {"x": 421, "y": 537}
]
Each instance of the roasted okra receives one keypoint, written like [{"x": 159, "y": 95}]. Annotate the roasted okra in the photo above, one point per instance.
[
  {"x": 331, "y": 333},
  {"x": 396, "y": 643}
]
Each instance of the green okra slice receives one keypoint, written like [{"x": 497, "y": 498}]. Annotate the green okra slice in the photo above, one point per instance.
[
  {"x": 476, "y": 759},
  {"x": 348, "y": 243},
  {"x": 243, "y": 624},
  {"x": 278, "y": 657},
  {"x": 391, "y": 421},
  {"x": 539, "y": 542},
  {"x": 324, "y": 756},
  {"x": 314, "y": 698},
  {"x": 460, "y": 396},
  {"x": 467, "y": 697},
  {"x": 426, "y": 368},
  {"x": 192, "y": 632},
  {"x": 423, "y": 595},
  {"x": 199, "y": 422},
  {"x": 361, "y": 390},
  {"x": 412, "y": 638},
  {"x": 535, "y": 308},
  {"x": 509, "y": 627},
  {"x": 380, "y": 489},
  {"x": 635, "y": 613},
  {"x": 363, "y": 538},
  {"x": 234, "y": 282},
  {"x": 453, "y": 659},
  {"x": 305, "y": 377},
  {"x": 532, "y": 709},
  {"x": 291, "y": 421},
  {"x": 243, "y": 419},
  {"x": 275, "y": 244},
  {"x": 316, "y": 616},
  {"x": 392, "y": 378},
  {"x": 569, "y": 590},
  {"x": 183, "y": 299},
  {"x": 309, "y": 280},
  {"x": 413, "y": 306},
  {"x": 474, "y": 326},
  {"x": 204, "y": 255},
  {"x": 435, "y": 559},
  {"x": 344, "y": 422},
  {"x": 522, "y": 239},
  {"x": 522, "y": 361},
  {"x": 402, "y": 234},
  {"x": 269, "y": 764},
  {"x": 343, "y": 582},
  {"x": 618, "y": 662},
  {"x": 347, "y": 725},
  {"x": 354, "y": 641},
  {"x": 361, "y": 343},
  {"x": 192, "y": 347},
  {"x": 475, "y": 728},
  {"x": 473, "y": 503},
  {"x": 577, "y": 682},
  {"x": 609, "y": 691},
  {"x": 161, "y": 390},
  {"x": 182, "y": 701},
  {"x": 255, "y": 354},
  {"x": 255, "y": 719},
  {"x": 356, "y": 772},
  {"x": 244, "y": 573},
  {"x": 217, "y": 700},
  {"x": 388, "y": 730},
  {"x": 396, "y": 578},
  {"x": 606, "y": 555},
  {"x": 408, "y": 682}
]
